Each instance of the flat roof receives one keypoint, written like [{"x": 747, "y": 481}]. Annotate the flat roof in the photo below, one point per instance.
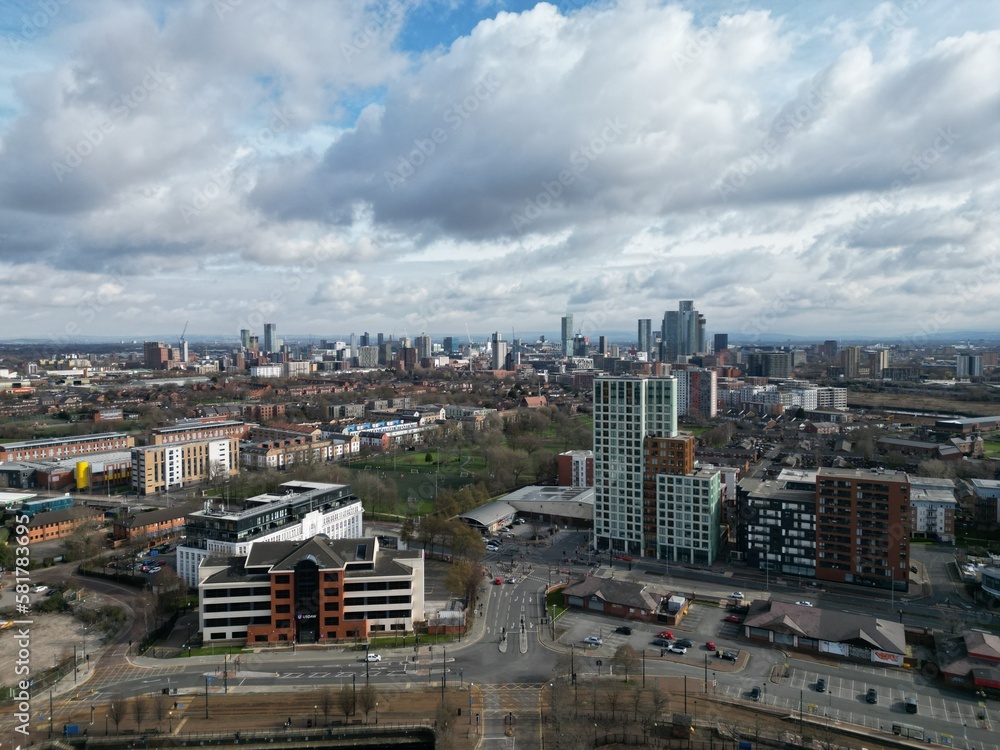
[
  {"x": 887, "y": 475},
  {"x": 45, "y": 442}
]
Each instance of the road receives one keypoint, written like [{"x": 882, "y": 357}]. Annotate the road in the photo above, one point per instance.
[{"x": 510, "y": 663}]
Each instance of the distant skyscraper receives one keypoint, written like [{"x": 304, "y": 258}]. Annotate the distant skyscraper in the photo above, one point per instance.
[
  {"x": 381, "y": 338},
  {"x": 645, "y": 343},
  {"x": 365, "y": 339},
  {"x": 423, "y": 346},
  {"x": 567, "y": 335},
  {"x": 270, "y": 342},
  {"x": 579, "y": 345},
  {"x": 245, "y": 338},
  {"x": 682, "y": 333},
  {"x": 449, "y": 344},
  {"x": 499, "y": 352},
  {"x": 602, "y": 346},
  {"x": 720, "y": 342}
]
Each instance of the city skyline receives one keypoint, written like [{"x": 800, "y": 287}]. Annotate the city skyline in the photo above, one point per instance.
[{"x": 817, "y": 170}]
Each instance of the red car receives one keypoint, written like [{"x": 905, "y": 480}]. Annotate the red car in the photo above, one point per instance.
[
  {"x": 710, "y": 646},
  {"x": 498, "y": 581},
  {"x": 732, "y": 618},
  {"x": 624, "y": 558},
  {"x": 665, "y": 635}
]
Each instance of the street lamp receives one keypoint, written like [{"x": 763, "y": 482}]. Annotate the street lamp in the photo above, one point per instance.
[
  {"x": 314, "y": 716},
  {"x": 170, "y": 722}
]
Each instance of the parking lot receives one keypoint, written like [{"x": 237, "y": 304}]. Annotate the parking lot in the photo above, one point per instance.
[{"x": 890, "y": 699}]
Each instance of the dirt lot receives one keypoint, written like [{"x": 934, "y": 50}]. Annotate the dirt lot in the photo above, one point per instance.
[{"x": 52, "y": 637}]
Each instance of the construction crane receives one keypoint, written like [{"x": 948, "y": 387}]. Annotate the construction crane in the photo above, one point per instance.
[{"x": 183, "y": 344}]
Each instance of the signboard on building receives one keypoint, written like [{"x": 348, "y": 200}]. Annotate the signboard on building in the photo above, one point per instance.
[{"x": 884, "y": 657}]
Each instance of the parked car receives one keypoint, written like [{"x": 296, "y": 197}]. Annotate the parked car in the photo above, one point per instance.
[
  {"x": 624, "y": 630},
  {"x": 913, "y": 568},
  {"x": 684, "y": 643},
  {"x": 755, "y": 693},
  {"x": 661, "y": 642},
  {"x": 804, "y": 604},
  {"x": 155, "y": 569},
  {"x": 665, "y": 634},
  {"x": 728, "y": 655},
  {"x": 738, "y": 595},
  {"x": 675, "y": 649},
  {"x": 820, "y": 685},
  {"x": 511, "y": 580},
  {"x": 593, "y": 640},
  {"x": 871, "y": 696},
  {"x": 733, "y": 618},
  {"x": 710, "y": 646},
  {"x": 498, "y": 581},
  {"x": 374, "y": 657}
]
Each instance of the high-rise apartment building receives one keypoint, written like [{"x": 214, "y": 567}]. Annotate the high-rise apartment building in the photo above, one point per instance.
[
  {"x": 245, "y": 338},
  {"x": 769, "y": 364},
  {"x": 567, "y": 335},
  {"x": 270, "y": 340},
  {"x": 645, "y": 342},
  {"x": 968, "y": 366},
  {"x": 499, "y": 359},
  {"x": 626, "y": 411},
  {"x": 850, "y": 360},
  {"x": 863, "y": 527},
  {"x": 448, "y": 344},
  {"x": 423, "y": 346},
  {"x": 720, "y": 342},
  {"x": 156, "y": 356}
]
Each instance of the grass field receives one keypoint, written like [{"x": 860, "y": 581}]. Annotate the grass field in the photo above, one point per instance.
[{"x": 991, "y": 448}]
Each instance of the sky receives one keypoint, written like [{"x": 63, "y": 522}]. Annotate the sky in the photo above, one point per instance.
[{"x": 825, "y": 169}]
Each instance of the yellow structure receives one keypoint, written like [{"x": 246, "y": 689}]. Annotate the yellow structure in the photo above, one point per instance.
[{"x": 82, "y": 475}]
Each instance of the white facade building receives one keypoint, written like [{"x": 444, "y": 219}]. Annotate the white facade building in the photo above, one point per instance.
[
  {"x": 297, "y": 511},
  {"x": 626, "y": 410}
]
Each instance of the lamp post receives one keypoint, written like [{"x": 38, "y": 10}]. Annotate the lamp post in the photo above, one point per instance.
[
  {"x": 314, "y": 715},
  {"x": 207, "y": 678},
  {"x": 170, "y": 722},
  {"x": 376, "y": 712},
  {"x": 354, "y": 691},
  {"x": 50, "y": 712}
]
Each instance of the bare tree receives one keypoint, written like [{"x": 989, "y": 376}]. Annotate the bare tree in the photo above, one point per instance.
[
  {"x": 139, "y": 711},
  {"x": 117, "y": 709},
  {"x": 637, "y": 695},
  {"x": 345, "y": 701},
  {"x": 326, "y": 703},
  {"x": 625, "y": 657},
  {"x": 612, "y": 697},
  {"x": 160, "y": 704},
  {"x": 367, "y": 699}
]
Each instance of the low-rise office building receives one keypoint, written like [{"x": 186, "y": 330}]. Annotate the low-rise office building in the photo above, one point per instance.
[
  {"x": 151, "y": 525},
  {"x": 317, "y": 590},
  {"x": 294, "y": 512}
]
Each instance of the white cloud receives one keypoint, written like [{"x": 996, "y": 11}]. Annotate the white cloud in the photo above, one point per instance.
[{"x": 609, "y": 160}]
